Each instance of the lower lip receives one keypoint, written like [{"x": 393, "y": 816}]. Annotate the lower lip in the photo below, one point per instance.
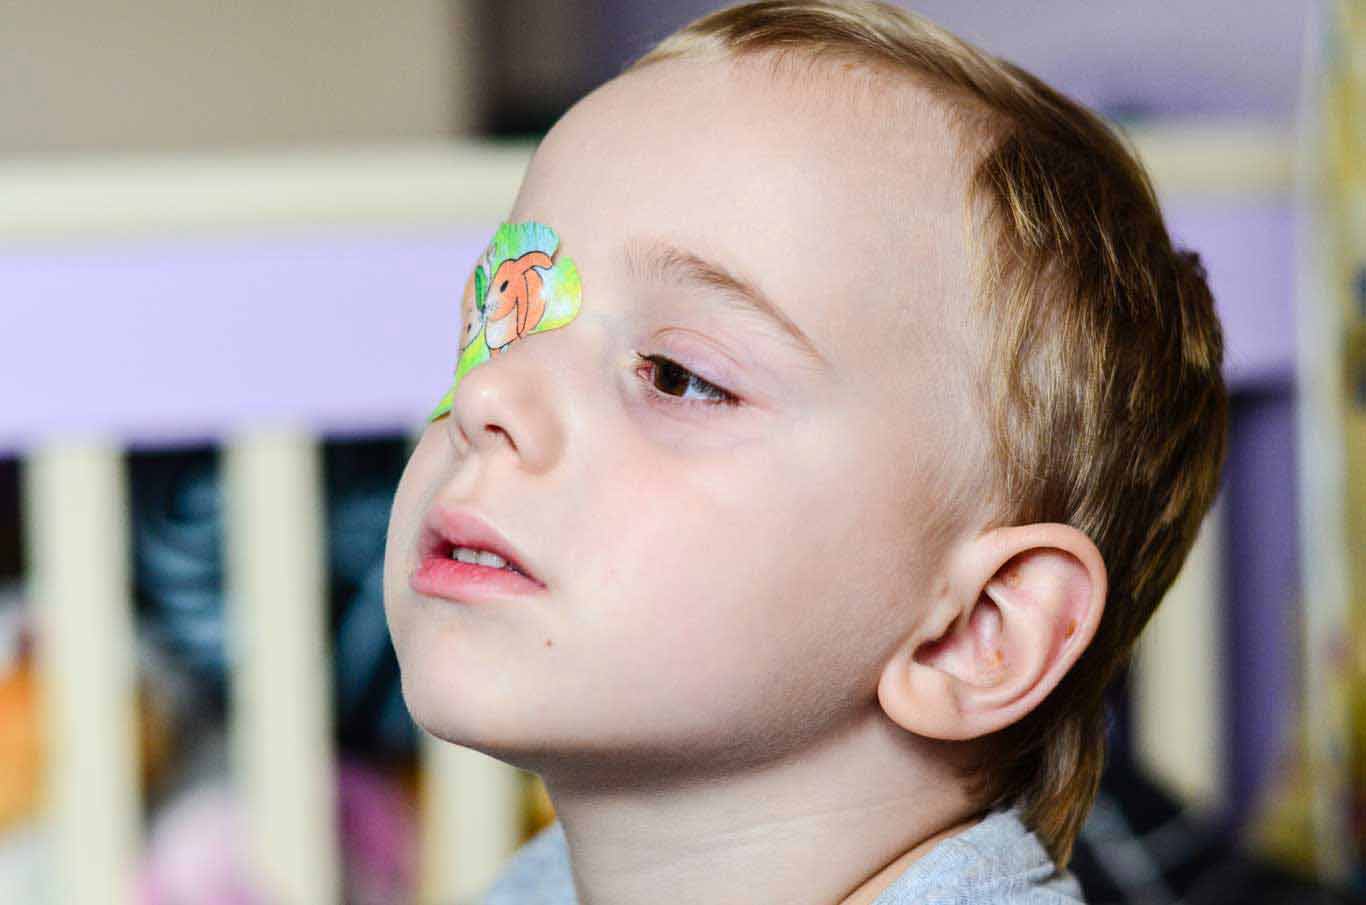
[{"x": 441, "y": 576}]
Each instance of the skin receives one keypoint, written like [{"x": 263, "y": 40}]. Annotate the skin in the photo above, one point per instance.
[{"x": 771, "y": 630}]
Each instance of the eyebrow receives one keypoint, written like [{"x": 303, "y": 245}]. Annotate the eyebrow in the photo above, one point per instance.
[{"x": 658, "y": 261}]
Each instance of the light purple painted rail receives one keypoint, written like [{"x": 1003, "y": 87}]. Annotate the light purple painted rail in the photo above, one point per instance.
[
  {"x": 1247, "y": 246},
  {"x": 170, "y": 341}
]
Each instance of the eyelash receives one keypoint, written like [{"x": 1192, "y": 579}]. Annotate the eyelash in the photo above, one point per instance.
[{"x": 715, "y": 395}]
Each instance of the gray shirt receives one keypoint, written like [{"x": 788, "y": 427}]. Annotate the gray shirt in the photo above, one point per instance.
[{"x": 995, "y": 862}]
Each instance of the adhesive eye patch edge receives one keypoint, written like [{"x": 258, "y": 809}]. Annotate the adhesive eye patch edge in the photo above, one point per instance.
[{"x": 517, "y": 288}]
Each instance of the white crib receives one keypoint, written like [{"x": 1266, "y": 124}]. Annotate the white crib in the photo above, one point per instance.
[{"x": 261, "y": 302}]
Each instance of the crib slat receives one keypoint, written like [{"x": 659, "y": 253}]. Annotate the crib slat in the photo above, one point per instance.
[
  {"x": 472, "y": 817},
  {"x": 281, "y": 689},
  {"x": 1179, "y": 666},
  {"x": 76, "y": 520}
]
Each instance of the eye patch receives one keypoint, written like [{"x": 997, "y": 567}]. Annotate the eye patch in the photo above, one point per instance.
[{"x": 517, "y": 288}]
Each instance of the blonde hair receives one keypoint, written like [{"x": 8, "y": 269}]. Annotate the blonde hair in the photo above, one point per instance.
[{"x": 1102, "y": 368}]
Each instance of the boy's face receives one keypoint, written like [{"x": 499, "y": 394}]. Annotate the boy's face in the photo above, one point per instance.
[{"x": 724, "y": 574}]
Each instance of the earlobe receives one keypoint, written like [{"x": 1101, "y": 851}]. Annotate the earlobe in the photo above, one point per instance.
[{"x": 1028, "y": 600}]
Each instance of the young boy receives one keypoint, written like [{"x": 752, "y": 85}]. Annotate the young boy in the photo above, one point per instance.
[{"x": 849, "y": 414}]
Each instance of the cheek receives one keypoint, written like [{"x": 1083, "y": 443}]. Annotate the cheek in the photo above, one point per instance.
[{"x": 726, "y": 596}]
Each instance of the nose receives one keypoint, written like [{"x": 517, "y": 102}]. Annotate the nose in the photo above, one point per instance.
[{"x": 507, "y": 405}]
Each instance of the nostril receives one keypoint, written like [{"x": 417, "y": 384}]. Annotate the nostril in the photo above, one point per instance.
[{"x": 498, "y": 432}]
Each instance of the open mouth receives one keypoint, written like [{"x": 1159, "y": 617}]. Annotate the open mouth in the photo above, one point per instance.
[
  {"x": 476, "y": 556},
  {"x": 457, "y": 543}
]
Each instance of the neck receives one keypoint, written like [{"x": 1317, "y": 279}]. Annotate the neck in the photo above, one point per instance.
[{"x": 837, "y": 822}]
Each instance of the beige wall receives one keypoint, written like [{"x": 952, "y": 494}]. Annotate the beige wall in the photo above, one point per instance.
[{"x": 183, "y": 74}]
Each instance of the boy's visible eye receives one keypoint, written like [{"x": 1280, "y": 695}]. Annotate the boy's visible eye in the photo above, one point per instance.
[{"x": 667, "y": 377}]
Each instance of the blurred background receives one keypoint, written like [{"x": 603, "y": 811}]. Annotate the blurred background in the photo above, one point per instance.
[{"x": 220, "y": 227}]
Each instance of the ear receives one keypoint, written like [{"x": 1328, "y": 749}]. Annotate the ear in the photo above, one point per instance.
[{"x": 1019, "y": 607}]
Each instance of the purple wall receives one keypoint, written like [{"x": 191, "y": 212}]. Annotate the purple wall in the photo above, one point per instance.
[{"x": 1262, "y": 594}]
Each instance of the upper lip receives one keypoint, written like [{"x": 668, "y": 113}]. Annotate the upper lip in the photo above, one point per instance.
[{"x": 445, "y": 529}]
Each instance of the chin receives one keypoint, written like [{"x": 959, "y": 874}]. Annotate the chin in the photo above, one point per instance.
[
  {"x": 441, "y": 715},
  {"x": 457, "y": 704}
]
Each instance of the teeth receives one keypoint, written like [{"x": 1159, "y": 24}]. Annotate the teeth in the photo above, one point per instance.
[
  {"x": 481, "y": 557},
  {"x": 491, "y": 559}
]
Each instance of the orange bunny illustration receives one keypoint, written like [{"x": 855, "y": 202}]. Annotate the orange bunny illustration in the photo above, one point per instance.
[{"x": 515, "y": 306}]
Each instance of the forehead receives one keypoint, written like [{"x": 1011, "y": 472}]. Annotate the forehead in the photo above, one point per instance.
[{"x": 839, "y": 195}]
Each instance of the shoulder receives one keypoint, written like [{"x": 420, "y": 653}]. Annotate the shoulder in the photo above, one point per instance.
[
  {"x": 996, "y": 862},
  {"x": 537, "y": 874}
]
